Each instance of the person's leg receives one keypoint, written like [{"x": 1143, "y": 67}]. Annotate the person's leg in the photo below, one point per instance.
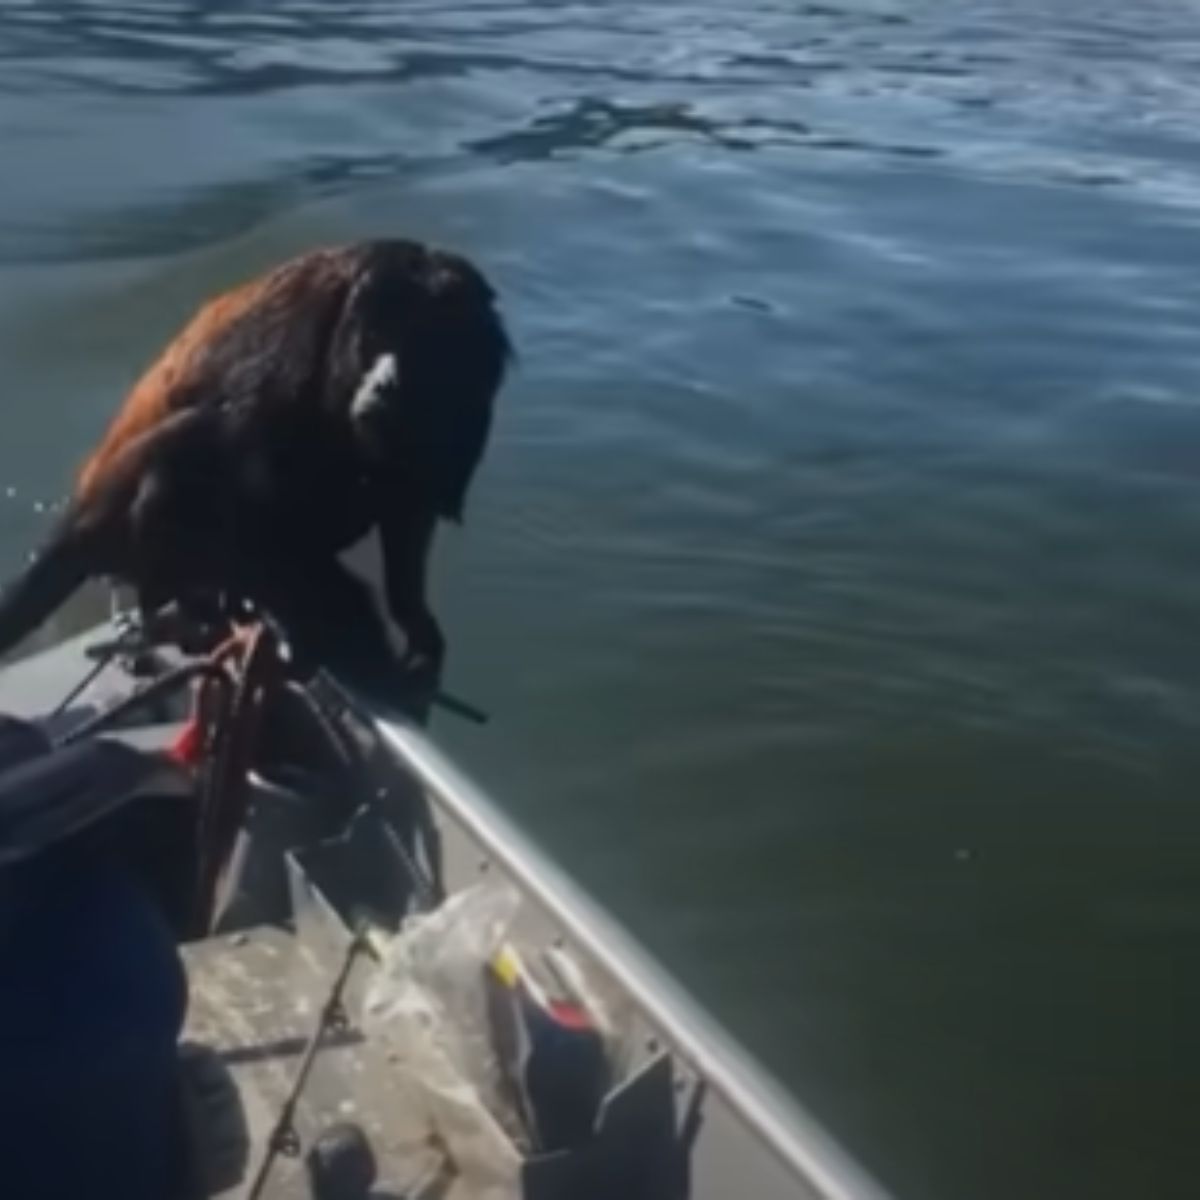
[{"x": 92, "y": 1001}]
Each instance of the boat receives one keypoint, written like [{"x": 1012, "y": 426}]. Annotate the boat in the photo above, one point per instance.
[{"x": 390, "y": 990}]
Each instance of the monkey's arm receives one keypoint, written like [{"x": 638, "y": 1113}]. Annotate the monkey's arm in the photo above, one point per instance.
[{"x": 406, "y": 536}]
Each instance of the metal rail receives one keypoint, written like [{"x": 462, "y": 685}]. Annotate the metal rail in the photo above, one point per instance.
[{"x": 790, "y": 1133}]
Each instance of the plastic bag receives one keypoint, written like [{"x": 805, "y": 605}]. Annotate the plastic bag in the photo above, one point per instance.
[{"x": 427, "y": 1002}]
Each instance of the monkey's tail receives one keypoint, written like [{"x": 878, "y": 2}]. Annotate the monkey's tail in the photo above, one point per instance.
[{"x": 56, "y": 571}]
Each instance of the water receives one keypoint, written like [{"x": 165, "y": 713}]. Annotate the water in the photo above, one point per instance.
[{"x": 832, "y": 575}]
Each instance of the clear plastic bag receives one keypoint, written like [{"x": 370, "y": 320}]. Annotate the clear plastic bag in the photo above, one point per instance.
[{"x": 427, "y": 1004}]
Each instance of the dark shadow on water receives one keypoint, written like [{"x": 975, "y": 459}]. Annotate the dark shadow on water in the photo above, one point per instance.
[{"x": 592, "y": 123}]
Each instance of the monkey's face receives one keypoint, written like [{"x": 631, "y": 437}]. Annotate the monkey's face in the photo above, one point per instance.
[{"x": 423, "y": 412}]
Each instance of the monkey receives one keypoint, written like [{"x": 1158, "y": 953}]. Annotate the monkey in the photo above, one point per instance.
[{"x": 347, "y": 389}]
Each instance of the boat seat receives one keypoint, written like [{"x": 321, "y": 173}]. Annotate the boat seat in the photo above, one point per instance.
[
  {"x": 49, "y": 795},
  {"x": 20, "y": 740}
]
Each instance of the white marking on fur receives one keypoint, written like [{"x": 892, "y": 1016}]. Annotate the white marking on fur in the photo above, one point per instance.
[{"x": 376, "y": 383}]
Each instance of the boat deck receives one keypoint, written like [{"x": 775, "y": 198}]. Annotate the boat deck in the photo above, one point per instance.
[
  {"x": 256, "y": 994},
  {"x": 254, "y": 1003}
]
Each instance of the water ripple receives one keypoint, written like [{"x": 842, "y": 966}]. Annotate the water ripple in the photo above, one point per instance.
[{"x": 1071, "y": 102}]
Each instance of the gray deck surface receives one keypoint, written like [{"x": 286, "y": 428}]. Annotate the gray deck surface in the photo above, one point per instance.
[{"x": 254, "y": 1001}]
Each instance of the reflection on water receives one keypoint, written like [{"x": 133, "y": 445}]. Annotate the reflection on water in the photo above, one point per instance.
[{"x": 831, "y": 575}]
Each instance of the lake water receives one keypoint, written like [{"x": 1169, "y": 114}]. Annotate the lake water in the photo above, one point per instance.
[{"x": 832, "y": 578}]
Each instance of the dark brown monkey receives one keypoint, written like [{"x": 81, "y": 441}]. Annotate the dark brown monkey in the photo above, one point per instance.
[{"x": 346, "y": 389}]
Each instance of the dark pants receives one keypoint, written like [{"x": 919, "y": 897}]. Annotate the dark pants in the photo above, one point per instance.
[{"x": 92, "y": 1001}]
